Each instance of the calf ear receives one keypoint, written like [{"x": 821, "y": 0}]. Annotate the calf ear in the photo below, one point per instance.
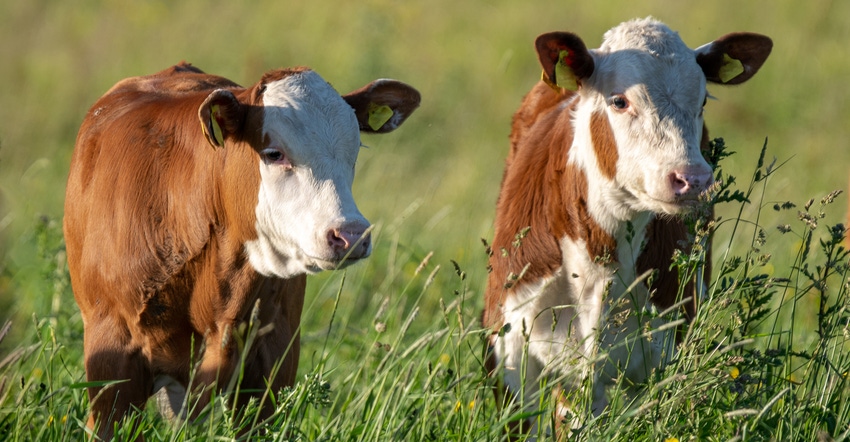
[
  {"x": 564, "y": 58},
  {"x": 733, "y": 58},
  {"x": 382, "y": 105},
  {"x": 221, "y": 116}
]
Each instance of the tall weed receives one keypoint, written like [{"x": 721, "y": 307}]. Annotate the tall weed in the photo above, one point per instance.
[{"x": 765, "y": 358}]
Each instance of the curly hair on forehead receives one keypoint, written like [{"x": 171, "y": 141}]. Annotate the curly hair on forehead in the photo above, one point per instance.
[{"x": 646, "y": 34}]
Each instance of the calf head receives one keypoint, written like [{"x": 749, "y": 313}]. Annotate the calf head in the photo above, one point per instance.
[
  {"x": 304, "y": 138},
  {"x": 642, "y": 95}
]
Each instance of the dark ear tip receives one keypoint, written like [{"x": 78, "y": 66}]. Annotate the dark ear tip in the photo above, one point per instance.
[
  {"x": 412, "y": 94},
  {"x": 768, "y": 44},
  {"x": 764, "y": 39},
  {"x": 542, "y": 39}
]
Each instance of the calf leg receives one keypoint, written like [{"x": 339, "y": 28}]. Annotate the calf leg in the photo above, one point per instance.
[
  {"x": 111, "y": 356},
  {"x": 274, "y": 359}
]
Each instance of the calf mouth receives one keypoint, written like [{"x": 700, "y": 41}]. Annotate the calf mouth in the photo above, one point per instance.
[
  {"x": 678, "y": 206},
  {"x": 317, "y": 265}
]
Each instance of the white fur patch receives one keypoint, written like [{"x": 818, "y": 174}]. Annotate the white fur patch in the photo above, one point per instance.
[
  {"x": 660, "y": 133},
  {"x": 565, "y": 322},
  {"x": 307, "y": 119}
]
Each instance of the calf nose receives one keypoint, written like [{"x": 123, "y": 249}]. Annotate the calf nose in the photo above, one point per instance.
[
  {"x": 689, "y": 182},
  {"x": 351, "y": 242}
]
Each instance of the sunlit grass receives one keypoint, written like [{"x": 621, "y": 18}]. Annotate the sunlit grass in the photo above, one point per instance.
[{"x": 393, "y": 350}]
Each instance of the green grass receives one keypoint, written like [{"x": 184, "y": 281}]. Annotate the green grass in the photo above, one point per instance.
[
  {"x": 394, "y": 351},
  {"x": 783, "y": 333}
]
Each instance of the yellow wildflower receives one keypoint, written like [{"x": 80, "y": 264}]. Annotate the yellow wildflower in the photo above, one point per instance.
[{"x": 459, "y": 405}]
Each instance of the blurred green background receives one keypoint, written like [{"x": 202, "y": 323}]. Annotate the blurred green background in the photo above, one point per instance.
[{"x": 432, "y": 185}]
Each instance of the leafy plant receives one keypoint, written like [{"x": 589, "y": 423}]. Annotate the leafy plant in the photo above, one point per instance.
[{"x": 765, "y": 357}]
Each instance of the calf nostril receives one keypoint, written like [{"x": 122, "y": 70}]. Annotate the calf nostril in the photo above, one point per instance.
[
  {"x": 341, "y": 241},
  {"x": 338, "y": 240},
  {"x": 679, "y": 183},
  {"x": 690, "y": 181}
]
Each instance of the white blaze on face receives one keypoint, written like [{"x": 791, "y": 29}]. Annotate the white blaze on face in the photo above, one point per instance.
[
  {"x": 647, "y": 67},
  {"x": 306, "y": 210}
]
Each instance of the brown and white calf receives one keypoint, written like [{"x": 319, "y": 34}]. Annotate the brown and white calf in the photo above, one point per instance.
[
  {"x": 604, "y": 151},
  {"x": 190, "y": 200}
]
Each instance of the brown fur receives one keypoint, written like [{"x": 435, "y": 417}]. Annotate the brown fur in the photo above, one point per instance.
[
  {"x": 542, "y": 192},
  {"x": 552, "y": 203},
  {"x": 604, "y": 144},
  {"x": 539, "y": 190},
  {"x": 155, "y": 223}
]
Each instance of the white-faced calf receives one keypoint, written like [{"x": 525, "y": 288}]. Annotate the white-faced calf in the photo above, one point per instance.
[
  {"x": 605, "y": 150},
  {"x": 190, "y": 200}
]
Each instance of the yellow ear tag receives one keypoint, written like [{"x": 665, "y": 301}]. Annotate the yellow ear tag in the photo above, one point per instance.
[
  {"x": 545, "y": 78},
  {"x": 379, "y": 115},
  {"x": 217, "y": 135},
  {"x": 564, "y": 74},
  {"x": 730, "y": 69}
]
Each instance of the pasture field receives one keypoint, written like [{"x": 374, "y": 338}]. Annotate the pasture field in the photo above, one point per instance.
[{"x": 392, "y": 347}]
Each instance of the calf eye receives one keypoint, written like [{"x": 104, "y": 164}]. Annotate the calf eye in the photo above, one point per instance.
[
  {"x": 619, "y": 102},
  {"x": 272, "y": 155},
  {"x": 275, "y": 156}
]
